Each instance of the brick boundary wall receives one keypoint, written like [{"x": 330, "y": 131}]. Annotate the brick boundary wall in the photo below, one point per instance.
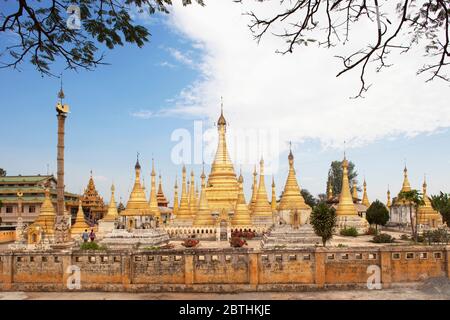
[{"x": 222, "y": 270}]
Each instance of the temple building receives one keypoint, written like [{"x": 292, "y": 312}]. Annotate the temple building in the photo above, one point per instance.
[
  {"x": 399, "y": 210},
  {"x": 24, "y": 196},
  {"x": 93, "y": 206},
  {"x": 400, "y": 214},
  {"x": 346, "y": 211}
]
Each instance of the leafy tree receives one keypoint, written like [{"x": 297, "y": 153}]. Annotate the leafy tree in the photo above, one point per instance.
[
  {"x": 309, "y": 198},
  {"x": 335, "y": 176},
  {"x": 398, "y": 26},
  {"x": 323, "y": 220},
  {"x": 45, "y": 32},
  {"x": 321, "y": 198},
  {"x": 377, "y": 214},
  {"x": 2, "y": 172},
  {"x": 441, "y": 203},
  {"x": 414, "y": 199}
]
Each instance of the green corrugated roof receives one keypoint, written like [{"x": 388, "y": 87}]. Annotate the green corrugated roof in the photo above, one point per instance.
[{"x": 36, "y": 178}]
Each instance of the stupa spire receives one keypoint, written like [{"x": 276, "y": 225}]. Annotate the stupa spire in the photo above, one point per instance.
[
  {"x": 241, "y": 212},
  {"x": 112, "y": 213},
  {"x": 262, "y": 207},
  {"x": 175, "y": 198},
  {"x": 254, "y": 188},
  {"x": 137, "y": 203},
  {"x": 406, "y": 185},
  {"x": 354, "y": 191},
  {"x": 273, "y": 202},
  {"x": 291, "y": 197},
  {"x": 153, "y": 198},
  {"x": 203, "y": 216},
  {"x": 365, "y": 200},
  {"x": 346, "y": 207},
  {"x": 388, "y": 203},
  {"x": 80, "y": 223},
  {"x": 47, "y": 214},
  {"x": 162, "y": 201},
  {"x": 183, "y": 211}
]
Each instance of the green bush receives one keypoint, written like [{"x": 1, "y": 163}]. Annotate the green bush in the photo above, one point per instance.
[
  {"x": 91, "y": 246},
  {"x": 436, "y": 236},
  {"x": 383, "y": 238},
  {"x": 349, "y": 232}
]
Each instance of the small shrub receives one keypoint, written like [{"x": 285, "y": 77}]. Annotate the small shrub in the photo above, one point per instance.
[
  {"x": 340, "y": 245},
  {"x": 152, "y": 248},
  {"x": 248, "y": 235},
  {"x": 91, "y": 246},
  {"x": 190, "y": 243},
  {"x": 372, "y": 231},
  {"x": 436, "y": 236},
  {"x": 237, "y": 242},
  {"x": 349, "y": 232},
  {"x": 383, "y": 238},
  {"x": 405, "y": 237}
]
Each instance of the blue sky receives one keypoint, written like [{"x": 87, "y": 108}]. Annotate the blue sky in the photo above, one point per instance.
[{"x": 135, "y": 104}]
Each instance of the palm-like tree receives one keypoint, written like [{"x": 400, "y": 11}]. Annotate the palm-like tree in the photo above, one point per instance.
[{"x": 414, "y": 199}]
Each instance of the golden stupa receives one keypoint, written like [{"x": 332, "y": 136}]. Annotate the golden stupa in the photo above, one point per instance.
[
  {"x": 137, "y": 203},
  {"x": 47, "y": 215},
  {"x": 426, "y": 214},
  {"x": 388, "y": 203},
  {"x": 162, "y": 201},
  {"x": 153, "y": 203},
  {"x": 175, "y": 198},
  {"x": 254, "y": 189},
  {"x": 203, "y": 216},
  {"x": 262, "y": 207},
  {"x": 365, "y": 200},
  {"x": 112, "y": 213},
  {"x": 184, "y": 213},
  {"x": 192, "y": 200},
  {"x": 241, "y": 212},
  {"x": 222, "y": 187},
  {"x": 80, "y": 223},
  {"x": 273, "y": 202},
  {"x": 346, "y": 207},
  {"x": 292, "y": 198}
]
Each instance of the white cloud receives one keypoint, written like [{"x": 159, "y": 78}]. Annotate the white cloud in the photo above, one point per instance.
[
  {"x": 299, "y": 94},
  {"x": 143, "y": 114},
  {"x": 166, "y": 64}
]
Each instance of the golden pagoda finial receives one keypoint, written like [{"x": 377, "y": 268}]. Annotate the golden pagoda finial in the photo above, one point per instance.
[
  {"x": 254, "y": 189},
  {"x": 241, "y": 215},
  {"x": 202, "y": 214},
  {"x": 388, "y": 203},
  {"x": 346, "y": 207},
  {"x": 262, "y": 207},
  {"x": 183, "y": 211},
  {"x": 175, "y": 197},
  {"x": 406, "y": 185},
  {"x": 329, "y": 189},
  {"x": 273, "y": 203},
  {"x": 291, "y": 197},
  {"x": 112, "y": 213},
  {"x": 365, "y": 200}
]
